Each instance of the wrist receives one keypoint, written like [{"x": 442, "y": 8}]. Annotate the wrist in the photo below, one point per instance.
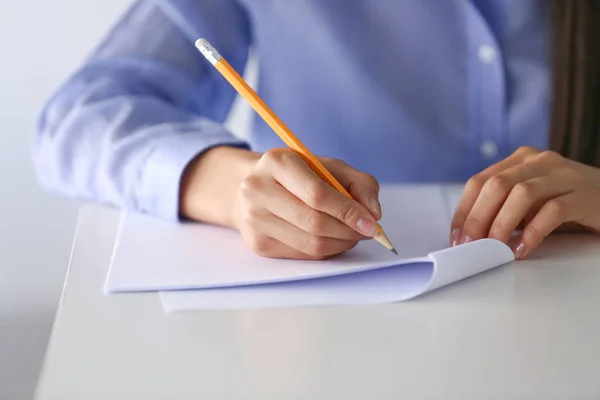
[
  {"x": 590, "y": 174},
  {"x": 209, "y": 184}
]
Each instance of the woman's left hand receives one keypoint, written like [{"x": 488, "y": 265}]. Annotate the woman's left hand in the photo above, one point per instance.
[{"x": 536, "y": 191}]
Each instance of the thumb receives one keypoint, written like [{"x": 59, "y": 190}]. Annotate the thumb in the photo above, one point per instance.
[{"x": 363, "y": 187}]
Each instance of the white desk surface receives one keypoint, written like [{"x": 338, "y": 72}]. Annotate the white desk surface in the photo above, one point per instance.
[{"x": 528, "y": 330}]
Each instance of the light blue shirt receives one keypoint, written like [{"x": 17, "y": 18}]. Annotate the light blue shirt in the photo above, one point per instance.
[{"x": 407, "y": 90}]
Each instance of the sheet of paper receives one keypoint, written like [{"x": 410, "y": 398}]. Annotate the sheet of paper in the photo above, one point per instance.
[
  {"x": 158, "y": 255},
  {"x": 383, "y": 285},
  {"x": 367, "y": 287},
  {"x": 452, "y": 195}
]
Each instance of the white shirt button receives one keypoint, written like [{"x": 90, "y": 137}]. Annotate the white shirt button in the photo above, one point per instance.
[
  {"x": 487, "y": 54},
  {"x": 488, "y": 149}
]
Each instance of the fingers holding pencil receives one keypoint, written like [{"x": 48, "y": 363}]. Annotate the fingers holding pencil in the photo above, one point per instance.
[
  {"x": 287, "y": 211},
  {"x": 290, "y": 170}
]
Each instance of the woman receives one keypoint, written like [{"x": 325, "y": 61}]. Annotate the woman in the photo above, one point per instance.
[{"x": 502, "y": 94}]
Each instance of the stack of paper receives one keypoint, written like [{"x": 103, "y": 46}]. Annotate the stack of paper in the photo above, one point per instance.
[{"x": 198, "y": 266}]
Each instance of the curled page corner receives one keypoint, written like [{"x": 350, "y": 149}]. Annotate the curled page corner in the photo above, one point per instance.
[{"x": 456, "y": 263}]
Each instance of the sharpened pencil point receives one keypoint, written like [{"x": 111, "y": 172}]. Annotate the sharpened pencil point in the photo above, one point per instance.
[{"x": 394, "y": 251}]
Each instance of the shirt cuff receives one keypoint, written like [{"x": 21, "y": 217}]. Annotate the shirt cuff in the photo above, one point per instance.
[{"x": 160, "y": 177}]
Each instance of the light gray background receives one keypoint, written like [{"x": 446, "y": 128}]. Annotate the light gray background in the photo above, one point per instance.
[{"x": 42, "y": 42}]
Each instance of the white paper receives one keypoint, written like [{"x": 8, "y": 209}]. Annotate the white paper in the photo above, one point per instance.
[
  {"x": 152, "y": 255},
  {"x": 383, "y": 285}
]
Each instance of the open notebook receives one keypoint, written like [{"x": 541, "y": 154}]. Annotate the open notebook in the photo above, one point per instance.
[{"x": 197, "y": 266}]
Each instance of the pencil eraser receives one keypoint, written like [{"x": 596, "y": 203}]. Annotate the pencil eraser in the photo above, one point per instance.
[{"x": 208, "y": 51}]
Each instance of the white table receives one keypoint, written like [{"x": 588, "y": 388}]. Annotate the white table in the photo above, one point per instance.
[{"x": 528, "y": 330}]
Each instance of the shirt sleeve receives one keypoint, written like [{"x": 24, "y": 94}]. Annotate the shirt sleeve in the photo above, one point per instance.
[{"x": 124, "y": 126}]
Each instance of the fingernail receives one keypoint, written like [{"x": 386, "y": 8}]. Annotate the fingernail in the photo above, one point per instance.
[
  {"x": 366, "y": 227},
  {"x": 455, "y": 236},
  {"x": 465, "y": 239},
  {"x": 376, "y": 207},
  {"x": 519, "y": 250}
]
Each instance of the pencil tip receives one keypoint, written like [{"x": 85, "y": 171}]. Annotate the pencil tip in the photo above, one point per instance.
[{"x": 393, "y": 250}]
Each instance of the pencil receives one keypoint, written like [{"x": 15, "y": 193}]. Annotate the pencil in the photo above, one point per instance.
[{"x": 240, "y": 85}]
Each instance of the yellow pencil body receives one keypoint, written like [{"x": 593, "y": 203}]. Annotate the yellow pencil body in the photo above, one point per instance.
[{"x": 263, "y": 110}]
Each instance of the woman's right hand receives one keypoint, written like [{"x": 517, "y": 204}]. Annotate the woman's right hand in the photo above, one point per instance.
[
  {"x": 279, "y": 205},
  {"x": 284, "y": 210}
]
